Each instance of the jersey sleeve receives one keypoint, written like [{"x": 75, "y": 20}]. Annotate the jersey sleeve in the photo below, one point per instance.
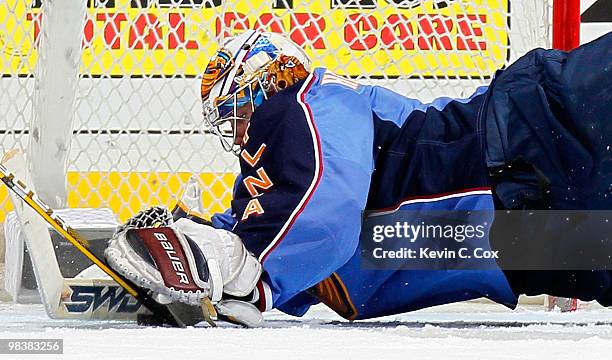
[{"x": 305, "y": 180}]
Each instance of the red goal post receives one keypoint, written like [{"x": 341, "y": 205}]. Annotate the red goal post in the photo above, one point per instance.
[{"x": 566, "y": 24}]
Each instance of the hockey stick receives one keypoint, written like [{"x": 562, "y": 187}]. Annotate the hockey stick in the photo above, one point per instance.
[{"x": 162, "y": 314}]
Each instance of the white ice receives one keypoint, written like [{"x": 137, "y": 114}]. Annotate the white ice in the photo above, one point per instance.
[{"x": 459, "y": 331}]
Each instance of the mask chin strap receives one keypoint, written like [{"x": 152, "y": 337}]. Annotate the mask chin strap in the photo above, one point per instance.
[{"x": 228, "y": 146}]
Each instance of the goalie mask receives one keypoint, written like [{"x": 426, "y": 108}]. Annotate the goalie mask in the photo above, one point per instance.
[{"x": 246, "y": 71}]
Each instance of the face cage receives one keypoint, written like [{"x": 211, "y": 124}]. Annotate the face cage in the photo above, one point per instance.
[{"x": 218, "y": 124}]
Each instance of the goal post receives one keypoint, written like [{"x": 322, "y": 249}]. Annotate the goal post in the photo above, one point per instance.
[
  {"x": 120, "y": 126},
  {"x": 566, "y": 24},
  {"x": 59, "y": 60}
]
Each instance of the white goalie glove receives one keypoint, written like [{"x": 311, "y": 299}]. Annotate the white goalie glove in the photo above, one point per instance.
[{"x": 185, "y": 261}]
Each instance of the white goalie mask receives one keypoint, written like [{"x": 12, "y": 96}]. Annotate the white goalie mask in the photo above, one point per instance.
[{"x": 246, "y": 71}]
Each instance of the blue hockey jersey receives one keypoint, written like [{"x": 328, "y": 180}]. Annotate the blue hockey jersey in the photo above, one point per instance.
[{"x": 318, "y": 154}]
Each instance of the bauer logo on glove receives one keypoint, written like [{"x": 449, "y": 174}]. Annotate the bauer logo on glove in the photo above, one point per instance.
[
  {"x": 167, "y": 262},
  {"x": 183, "y": 260},
  {"x": 163, "y": 248}
]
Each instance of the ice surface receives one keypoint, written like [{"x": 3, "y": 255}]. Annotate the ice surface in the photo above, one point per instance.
[{"x": 459, "y": 331}]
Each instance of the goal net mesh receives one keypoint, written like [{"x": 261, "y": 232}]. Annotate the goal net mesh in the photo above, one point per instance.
[{"x": 137, "y": 129}]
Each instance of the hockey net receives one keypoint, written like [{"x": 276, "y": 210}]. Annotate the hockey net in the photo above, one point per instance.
[{"x": 137, "y": 136}]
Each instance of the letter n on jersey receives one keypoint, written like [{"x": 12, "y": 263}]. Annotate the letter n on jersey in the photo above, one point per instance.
[{"x": 262, "y": 181}]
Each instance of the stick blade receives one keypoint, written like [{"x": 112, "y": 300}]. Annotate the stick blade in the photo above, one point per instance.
[{"x": 38, "y": 240}]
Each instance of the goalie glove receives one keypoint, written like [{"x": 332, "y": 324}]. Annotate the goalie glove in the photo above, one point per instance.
[{"x": 182, "y": 261}]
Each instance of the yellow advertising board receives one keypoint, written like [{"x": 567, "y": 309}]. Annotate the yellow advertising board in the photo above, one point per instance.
[{"x": 453, "y": 38}]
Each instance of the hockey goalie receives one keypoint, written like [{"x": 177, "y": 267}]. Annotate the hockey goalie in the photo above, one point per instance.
[{"x": 317, "y": 149}]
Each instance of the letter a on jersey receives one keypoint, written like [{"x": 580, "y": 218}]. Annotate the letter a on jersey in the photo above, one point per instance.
[{"x": 253, "y": 207}]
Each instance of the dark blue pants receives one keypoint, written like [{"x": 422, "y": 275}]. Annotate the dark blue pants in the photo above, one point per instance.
[{"x": 549, "y": 146}]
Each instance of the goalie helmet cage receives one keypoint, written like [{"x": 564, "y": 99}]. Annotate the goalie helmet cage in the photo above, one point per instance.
[{"x": 110, "y": 115}]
